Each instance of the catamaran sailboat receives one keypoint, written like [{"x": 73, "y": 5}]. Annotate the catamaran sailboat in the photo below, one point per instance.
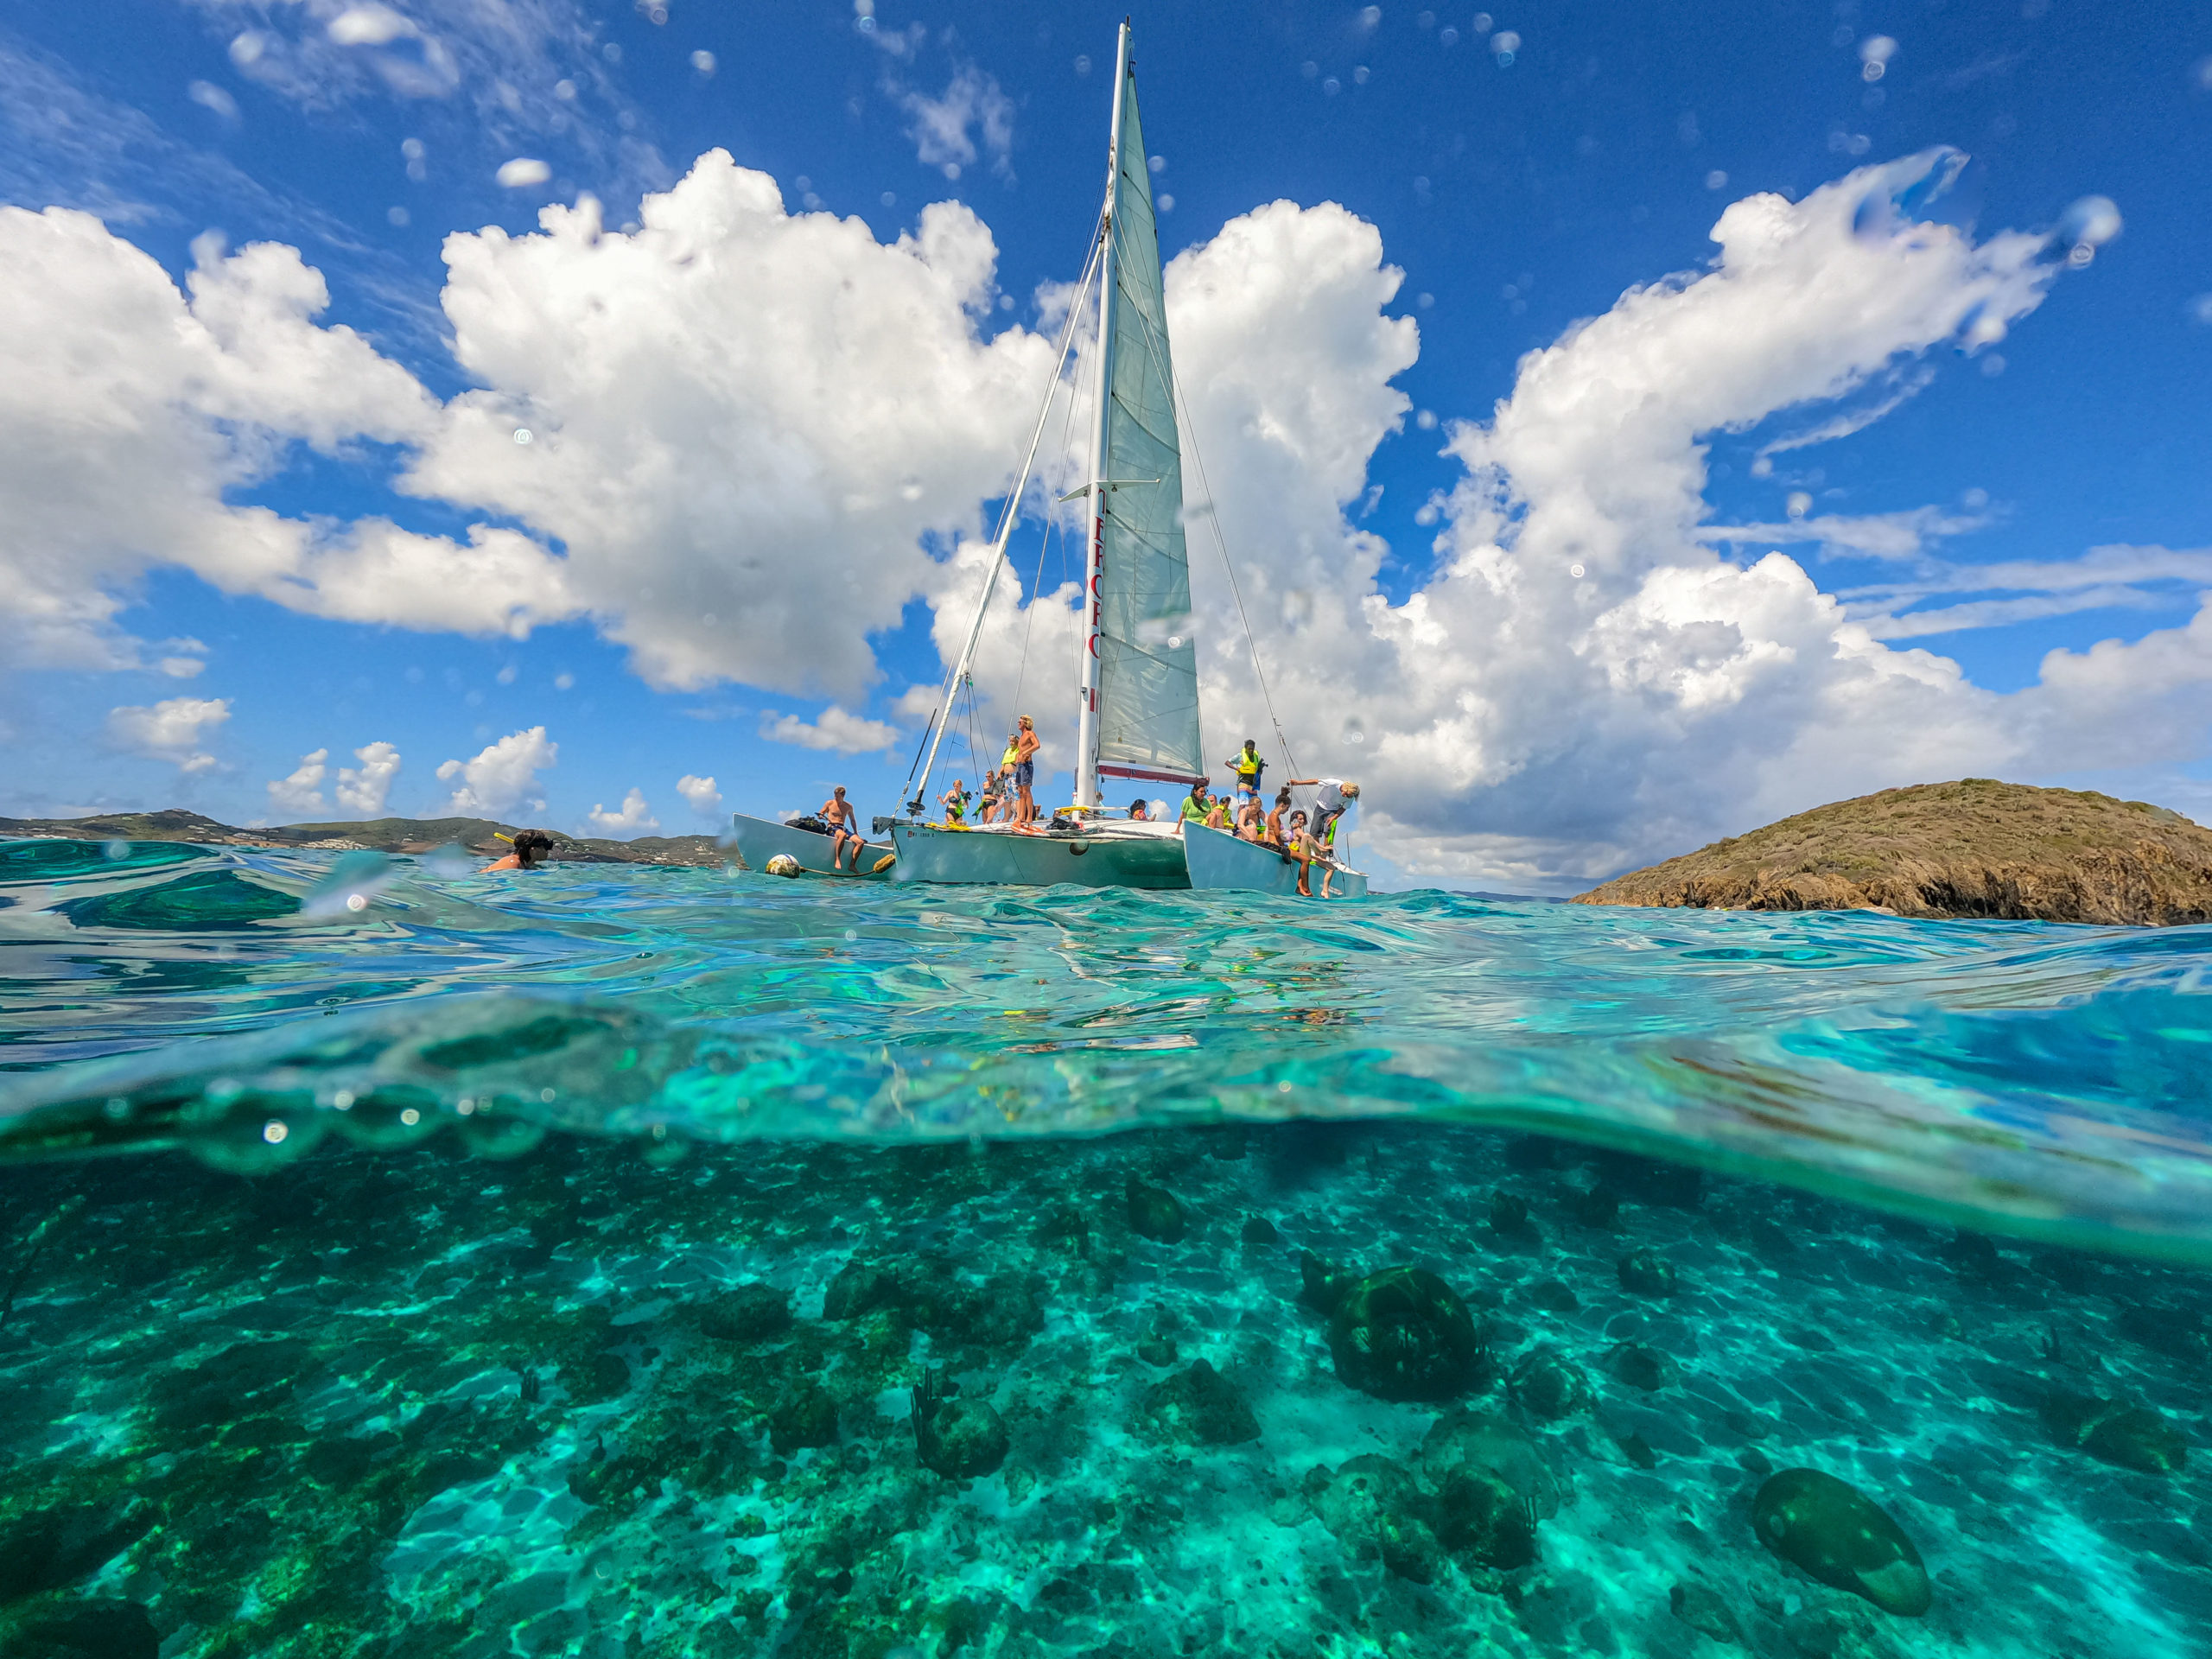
[{"x": 1138, "y": 718}]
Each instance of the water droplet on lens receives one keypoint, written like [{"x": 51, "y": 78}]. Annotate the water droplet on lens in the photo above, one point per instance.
[
  {"x": 115, "y": 851},
  {"x": 1574, "y": 570},
  {"x": 274, "y": 1131},
  {"x": 523, "y": 435},
  {"x": 1799, "y": 504}
]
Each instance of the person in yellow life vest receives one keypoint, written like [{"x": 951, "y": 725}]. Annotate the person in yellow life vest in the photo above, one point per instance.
[
  {"x": 1248, "y": 767},
  {"x": 956, "y": 802}
]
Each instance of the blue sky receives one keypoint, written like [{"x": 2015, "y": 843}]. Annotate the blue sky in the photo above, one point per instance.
[{"x": 1519, "y": 191}]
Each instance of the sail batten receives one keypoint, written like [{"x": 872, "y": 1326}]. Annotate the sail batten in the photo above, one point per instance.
[{"x": 1146, "y": 720}]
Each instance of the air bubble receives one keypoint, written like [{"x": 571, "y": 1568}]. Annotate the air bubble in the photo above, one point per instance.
[{"x": 275, "y": 1130}]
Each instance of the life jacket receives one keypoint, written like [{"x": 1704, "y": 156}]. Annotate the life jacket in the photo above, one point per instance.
[{"x": 1247, "y": 766}]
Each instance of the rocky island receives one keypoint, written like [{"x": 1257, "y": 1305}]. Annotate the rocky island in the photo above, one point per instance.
[
  {"x": 376, "y": 834},
  {"x": 1976, "y": 848}
]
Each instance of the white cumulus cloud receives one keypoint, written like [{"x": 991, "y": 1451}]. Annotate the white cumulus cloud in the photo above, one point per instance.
[
  {"x": 364, "y": 788},
  {"x": 632, "y": 817},
  {"x": 750, "y": 421},
  {"x": 302, "y": 791},
  {"x": 171, "y": 730},
  {"x": 700, "y": 794},
  {"x": 503, "y": 778},
  {"x": 834, "y": 730}
]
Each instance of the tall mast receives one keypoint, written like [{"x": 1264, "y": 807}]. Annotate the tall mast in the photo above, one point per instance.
[
  {"x": 1008, "y": 514},
  {"x": 1086, "y": 773}
]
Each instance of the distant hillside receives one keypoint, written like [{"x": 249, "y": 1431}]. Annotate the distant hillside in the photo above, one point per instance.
[
  {"x": 378, "y": 835},
  {"x": 1975, "y": 847}
]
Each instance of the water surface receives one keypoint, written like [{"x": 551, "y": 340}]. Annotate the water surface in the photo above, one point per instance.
[{"x": 621, "y": 1262}]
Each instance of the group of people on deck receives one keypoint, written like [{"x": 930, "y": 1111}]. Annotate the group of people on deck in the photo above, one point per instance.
[
  {"x": 1009, "y": 788},
  {"x": 1305, "y": 839}
]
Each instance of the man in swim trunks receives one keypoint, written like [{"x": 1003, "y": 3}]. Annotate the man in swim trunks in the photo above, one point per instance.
[
  {"x": 1025, "y": 745},
  {"x": 1276, "y": 836},
  {"x": 1248, "y": 767},
  {"x": 844, "y": 824}
]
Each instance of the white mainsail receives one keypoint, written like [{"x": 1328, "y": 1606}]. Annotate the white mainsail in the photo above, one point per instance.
[{"x": 1140, "y": 682}]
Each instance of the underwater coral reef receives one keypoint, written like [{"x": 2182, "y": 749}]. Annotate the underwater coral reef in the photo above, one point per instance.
[{"x": 1337, "y": 1388}]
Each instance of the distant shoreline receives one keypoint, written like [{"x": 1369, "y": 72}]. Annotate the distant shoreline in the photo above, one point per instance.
[{"x": 415, "y": 836}]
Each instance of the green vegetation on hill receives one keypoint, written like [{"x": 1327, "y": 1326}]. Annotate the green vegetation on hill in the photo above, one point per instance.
[
  {"x": 1974, "y": 847},
  {"x": 378, "y": 835}
]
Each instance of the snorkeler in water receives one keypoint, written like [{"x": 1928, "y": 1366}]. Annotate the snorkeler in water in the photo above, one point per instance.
[{"x": 531, "y": 849}]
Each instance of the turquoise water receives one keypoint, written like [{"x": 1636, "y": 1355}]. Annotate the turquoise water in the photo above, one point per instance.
[{"x": 633, "y": 1260}]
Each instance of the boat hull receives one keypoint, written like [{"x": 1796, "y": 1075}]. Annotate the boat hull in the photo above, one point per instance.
[
  {"x": 1218, "y": 860},
  {"x": 933, "y": 852},
  {"x": 759, "y": 839}
]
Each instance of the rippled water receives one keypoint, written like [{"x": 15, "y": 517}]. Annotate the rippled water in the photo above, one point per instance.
[
  {"x": 633, "y": 1262},
  {"x": 2048, "y": 1080}
]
